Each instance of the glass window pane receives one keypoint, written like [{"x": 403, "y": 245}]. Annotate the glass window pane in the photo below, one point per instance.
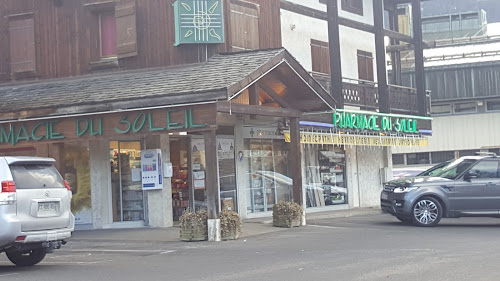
[
  {"x": 441, "y": 109},
  {"x": 486, "y": 169},
  {"x": 417, "y": 158},
  {"x": 468, "y": 153},
  {"x": 108, "y": 34},
  {"x": 493, "y": 105},
  {"x": 465, "y": 107},
  {"x": 36, "y": 176},
  {"x": 227, "y": 175},
  {"x": 398, "y": 159},
  {"x": 442, "y": 156}
]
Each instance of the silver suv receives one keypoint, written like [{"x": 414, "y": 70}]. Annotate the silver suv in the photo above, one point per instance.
[
  {"x": 35, "y": 209},
  {"x": 466, "y": 187}
]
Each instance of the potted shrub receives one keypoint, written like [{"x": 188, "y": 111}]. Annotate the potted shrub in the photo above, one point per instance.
[
  {"x": 230, "y": 224},
  {"x": 287, "y": 214},
  {"x": 194, "y": 226}
]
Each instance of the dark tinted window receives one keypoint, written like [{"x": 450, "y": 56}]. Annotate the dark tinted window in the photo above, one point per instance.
[
  {"x": 36, "y": 176},
  {"x": 442, "y": 156},
  {"x": 398, "y": 159},
  {"x": 455, "y": 168},
  {"x": 417, "y": 158},
  {"x": 493, "y": 105},
  {"x": 486, "y": 169}
]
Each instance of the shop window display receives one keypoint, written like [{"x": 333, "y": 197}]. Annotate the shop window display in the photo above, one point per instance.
[
  {"x": 325, "y": 176},
  {"x": 76, "y": 170},
  {"x": 269, "y": 181},
  {"x": 126, "y": 182}
]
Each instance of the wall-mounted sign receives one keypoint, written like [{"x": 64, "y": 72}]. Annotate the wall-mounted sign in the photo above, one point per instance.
[
  {"x": 198, "y": 22},
  {"x": 372, "y": 121},
  {"x": 340, "y": 139},
  {"x": 109, "y": 125},
  {"x": 261, "y": 133}
]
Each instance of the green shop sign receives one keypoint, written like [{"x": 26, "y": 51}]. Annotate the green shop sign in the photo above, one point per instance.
[
  {"x": 110, "y": 125},
  {"x": 372, "y": 121},
  {"x": 198, "y": 22}
]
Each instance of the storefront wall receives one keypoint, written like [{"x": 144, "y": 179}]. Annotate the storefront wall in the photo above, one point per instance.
[{"x": 367, "y": 169}]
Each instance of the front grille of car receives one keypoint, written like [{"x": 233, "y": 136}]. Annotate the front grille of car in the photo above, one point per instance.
[{"x": 389, "y": 188}]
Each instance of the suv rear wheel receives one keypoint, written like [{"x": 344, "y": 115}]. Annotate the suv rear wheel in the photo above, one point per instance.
[
  {"x": 427, "y": 211},
  {"x": 29, "y": 258}
]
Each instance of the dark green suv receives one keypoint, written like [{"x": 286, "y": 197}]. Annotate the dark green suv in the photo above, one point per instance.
[{"x": 466, "y": 187}]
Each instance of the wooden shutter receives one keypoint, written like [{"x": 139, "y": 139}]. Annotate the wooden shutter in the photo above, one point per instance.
[
  {"x": 244, "y": 26},
  {"x": 126, "y": 30},
  {"x": 320, "y": 55},
  {"x": 22, "y": 45},
  {"x": 365, "y": 66}
]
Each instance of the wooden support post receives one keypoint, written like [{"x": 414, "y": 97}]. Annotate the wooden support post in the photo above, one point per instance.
[
  {"x": 383, "y": 93},
  {"x": 296, "y": 160},
  {"x": 395, "y": 55},
  {"x": 253, "y": 97},
  {"x": 334, "y": 49},
  {"x": 419, "y": 58},
  {"x": 212, "y": 186},
  {"x": 211, "y": 178}
]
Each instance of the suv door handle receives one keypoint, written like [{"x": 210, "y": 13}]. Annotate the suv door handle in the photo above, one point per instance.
[{"x": 449, "y": 187}]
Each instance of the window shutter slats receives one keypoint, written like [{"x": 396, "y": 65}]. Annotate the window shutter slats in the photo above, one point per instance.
[
  {"x": 244, "y": 27},
  {"x": 126, "y": 30},
  {"x": 320, "y": 55},
  {"x": 22, "y": 45}
]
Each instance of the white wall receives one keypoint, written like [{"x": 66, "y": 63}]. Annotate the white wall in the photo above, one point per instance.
[
  {"x": 460, "y": 132},
  {"x": 365, "y": 174},
  {"x": 297, "y": 31}
]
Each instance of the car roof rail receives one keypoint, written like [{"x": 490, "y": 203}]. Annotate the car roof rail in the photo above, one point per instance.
[{"x": 483, "y": 153}]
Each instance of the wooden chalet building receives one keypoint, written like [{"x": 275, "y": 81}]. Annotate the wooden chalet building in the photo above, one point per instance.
[{"x": 205, "y": 86}]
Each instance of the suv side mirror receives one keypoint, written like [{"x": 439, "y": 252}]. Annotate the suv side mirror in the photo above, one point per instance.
[{"x": 470, "y": 175}]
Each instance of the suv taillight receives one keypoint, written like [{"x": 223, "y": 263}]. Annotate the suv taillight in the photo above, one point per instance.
[
  {"x": 8, "y": 195},
  {"x": 8, "y": 186},
  {"x": 66, "y": 184}
]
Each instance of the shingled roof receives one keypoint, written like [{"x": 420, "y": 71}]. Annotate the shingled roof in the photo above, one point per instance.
[{"x": 207, "y": 81}]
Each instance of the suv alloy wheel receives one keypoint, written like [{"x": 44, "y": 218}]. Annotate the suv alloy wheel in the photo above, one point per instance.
[{"x": 427, "y": 211}]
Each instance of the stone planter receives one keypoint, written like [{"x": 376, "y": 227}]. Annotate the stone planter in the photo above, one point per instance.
[
  {"x": 194, "y": 226},
  {"x": 231, "y": 226},
  {"x": 232, "y": 234},
  {"x": 284, "y": 221},
  {"x": 194, "y": 232},
  {"x": 287, "y": 214}
]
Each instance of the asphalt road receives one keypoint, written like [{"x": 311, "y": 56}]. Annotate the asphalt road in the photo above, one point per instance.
[{"x": 358, "y": 248}]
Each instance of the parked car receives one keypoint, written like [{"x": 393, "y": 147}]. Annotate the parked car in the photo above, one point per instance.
[
  {"x": 468, "y": 186},
  {"x": 421, "y": 171},
  {"x": 35, "y": 209}
]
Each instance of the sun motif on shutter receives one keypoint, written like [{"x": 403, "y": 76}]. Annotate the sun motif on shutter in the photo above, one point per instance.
[{"x": 198, "y": 22}]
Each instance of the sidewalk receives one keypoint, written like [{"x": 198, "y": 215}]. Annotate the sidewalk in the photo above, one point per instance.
[{"x": 251, "y": 227}]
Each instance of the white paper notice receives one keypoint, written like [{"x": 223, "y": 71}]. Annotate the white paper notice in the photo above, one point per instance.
[
  {"x": 136, "y": 174},
  {"x": 199, "y": 175}
]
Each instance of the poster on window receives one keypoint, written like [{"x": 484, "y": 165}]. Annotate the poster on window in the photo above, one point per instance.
[{"x": 225, "y": 148}]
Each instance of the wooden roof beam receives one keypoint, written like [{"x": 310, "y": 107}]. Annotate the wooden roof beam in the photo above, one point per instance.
[{"x": 277, "y": 98}]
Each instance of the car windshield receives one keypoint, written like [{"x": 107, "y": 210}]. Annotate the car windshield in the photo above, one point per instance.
[
  {"x": 454, "y": 169},
  {"x": 435, "y": 170}
]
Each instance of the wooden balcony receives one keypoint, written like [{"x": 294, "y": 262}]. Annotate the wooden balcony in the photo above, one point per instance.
[{"x": 364, "y": 94}]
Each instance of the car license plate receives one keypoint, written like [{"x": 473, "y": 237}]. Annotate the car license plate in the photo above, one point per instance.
[
  {"x": 47, "y": 208},
  {"x": 385, "y": 196}
]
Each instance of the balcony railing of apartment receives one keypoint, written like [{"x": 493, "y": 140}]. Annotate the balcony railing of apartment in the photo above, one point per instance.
[{"x": 364, "y": 94}]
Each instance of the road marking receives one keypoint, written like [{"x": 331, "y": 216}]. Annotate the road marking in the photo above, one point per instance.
[
  {"x": 327, "y": 226},
  {"x": 77, "y": 262},
  {"x": 9, "y": 274},
  {"x": 117, "y": 251},
  {"x": 167, "y": 252}
]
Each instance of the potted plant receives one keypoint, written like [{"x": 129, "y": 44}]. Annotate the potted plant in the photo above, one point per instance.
[
  {"x": 194, "y": 226},
  {"x": 230, "y": 224},
  {"x": 287, "y": 214}
]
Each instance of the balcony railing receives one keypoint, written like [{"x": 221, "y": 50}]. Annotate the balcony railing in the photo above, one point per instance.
[{"x": 365, "y": 95}]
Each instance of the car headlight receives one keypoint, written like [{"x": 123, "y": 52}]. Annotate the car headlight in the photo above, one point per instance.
[{"x": 404, "y": 189}]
